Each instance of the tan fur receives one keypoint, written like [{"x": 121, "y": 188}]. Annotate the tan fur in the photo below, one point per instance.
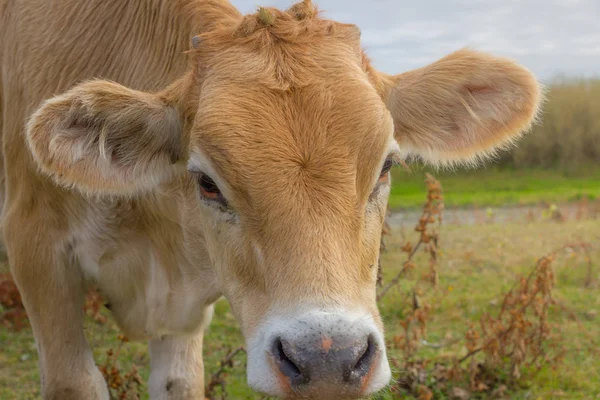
[
  {"x": 294, "y": 122},
  {"x": 73, "y": 127},
  {"x": 463, "y": 107}
]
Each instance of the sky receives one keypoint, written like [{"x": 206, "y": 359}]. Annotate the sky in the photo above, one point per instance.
[{"x": 550, "y": 37}]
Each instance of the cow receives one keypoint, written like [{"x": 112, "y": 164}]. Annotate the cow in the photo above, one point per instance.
[{"x": 171, "y": 152}]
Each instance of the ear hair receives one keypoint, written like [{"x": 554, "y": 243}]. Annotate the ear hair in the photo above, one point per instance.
[
  {"x": 462, "y": 108},
  {"x": 103, "y": 137}
]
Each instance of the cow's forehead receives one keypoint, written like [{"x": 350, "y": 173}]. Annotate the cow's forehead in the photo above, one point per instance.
[
  {"x": 286, "y": 107},
  {"x": 332, "y": 131}
]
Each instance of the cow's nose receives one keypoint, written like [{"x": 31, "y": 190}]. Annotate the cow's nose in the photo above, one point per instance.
[
  {"x": 317, "y": 360},
  {"x": 320, "y": 355}
]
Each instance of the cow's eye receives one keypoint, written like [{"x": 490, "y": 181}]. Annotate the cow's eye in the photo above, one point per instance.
[
  {"x": 209, "y": 189},
  {"x": 387, "y": 166}
]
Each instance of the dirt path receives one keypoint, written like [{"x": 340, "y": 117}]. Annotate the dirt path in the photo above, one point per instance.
[{"x": 478, "y": 215}]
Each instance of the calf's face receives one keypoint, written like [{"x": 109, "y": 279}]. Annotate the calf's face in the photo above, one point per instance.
[
  {"x": 294, "y": 184},
  {"x": 287, "y": 135}
]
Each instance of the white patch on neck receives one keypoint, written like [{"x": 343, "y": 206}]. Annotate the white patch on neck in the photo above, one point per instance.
[
  {"x": 258, "y": 252},
  {"x": 157, "y": 298}
]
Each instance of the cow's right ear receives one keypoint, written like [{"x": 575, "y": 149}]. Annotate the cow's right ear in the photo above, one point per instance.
[{"x": 104, "y": 138}]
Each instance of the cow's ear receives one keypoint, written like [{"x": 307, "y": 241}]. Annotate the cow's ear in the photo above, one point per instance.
[
  {"x": 104, "y": 138},
  {"x": 462, "y": 107}
]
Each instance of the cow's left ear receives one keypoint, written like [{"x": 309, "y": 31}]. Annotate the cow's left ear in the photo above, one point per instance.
[{"x": 462, "y": 107}]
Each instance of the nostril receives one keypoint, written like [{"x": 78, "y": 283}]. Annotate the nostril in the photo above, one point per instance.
[
  {"x": 363, "y": 363},
  {"x": 286, "y": 365}
]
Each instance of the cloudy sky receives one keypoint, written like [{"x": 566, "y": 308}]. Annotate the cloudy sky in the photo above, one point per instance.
[{"x": 551, "y": 37}]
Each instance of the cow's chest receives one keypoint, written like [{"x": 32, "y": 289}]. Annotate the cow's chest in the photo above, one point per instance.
[{"x": 152, "y": 288}]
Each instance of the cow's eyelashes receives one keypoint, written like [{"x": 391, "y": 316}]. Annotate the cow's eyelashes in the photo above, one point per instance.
[
  {"x": 208, "y": 189},
  {"x": 387, "y": 166}
]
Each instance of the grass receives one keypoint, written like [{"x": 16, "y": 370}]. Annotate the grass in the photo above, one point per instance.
[
  {"x": 478, "y": 264},
  {"x": 494, "y": 186}
]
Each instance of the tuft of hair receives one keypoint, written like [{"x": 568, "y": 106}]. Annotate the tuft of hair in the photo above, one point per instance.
[
  {"x": 283, "y": 41},
  {"x": 265, "y": 17},
  {"x": 303, "y": 10},
  {"x": 282, "y": 24}
]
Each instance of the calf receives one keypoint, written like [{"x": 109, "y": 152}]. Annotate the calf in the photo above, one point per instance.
[{"x": 254, "y": 167}]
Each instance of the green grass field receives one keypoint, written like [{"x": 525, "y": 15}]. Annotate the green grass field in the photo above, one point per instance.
[
  {"x": 478, "y": 264},
  {"x": 496, "y": 187}
]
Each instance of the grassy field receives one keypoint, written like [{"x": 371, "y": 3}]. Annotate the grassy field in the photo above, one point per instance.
[
  {"x": 493, "y": 186},
  {"x": 478, "y": 264}
]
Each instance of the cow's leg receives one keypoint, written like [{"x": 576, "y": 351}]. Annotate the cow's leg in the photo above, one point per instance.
[
  {"x": 177, "y": 369},
  {"x": 52, "y": 290}
]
